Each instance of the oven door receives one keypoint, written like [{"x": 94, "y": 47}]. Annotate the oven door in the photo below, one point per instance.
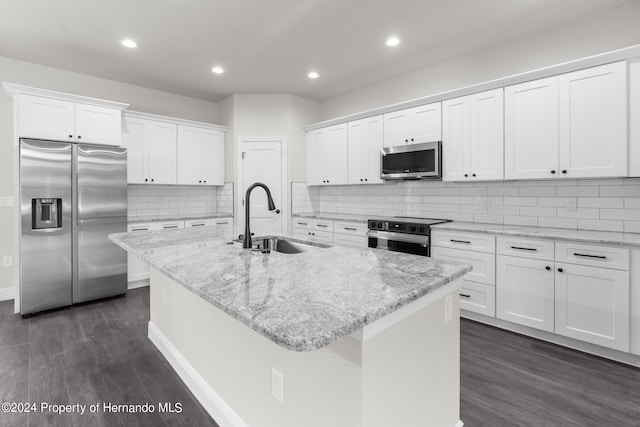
[
  {"x": 415, "y": 161},
  {"x": 399, "y": 242}
]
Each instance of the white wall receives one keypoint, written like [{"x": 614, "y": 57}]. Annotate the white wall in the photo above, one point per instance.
[
  {"x": 262, "y": 115},
  {"x": 613, "y": 29},
  {"x": 139, "y": 98}
]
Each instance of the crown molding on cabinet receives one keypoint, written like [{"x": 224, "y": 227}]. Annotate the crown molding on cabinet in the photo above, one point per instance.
[
  {"x": 15, "y": 89},
  {"x": 174, "y": 120},
  {"x": 565, "y": 67}
]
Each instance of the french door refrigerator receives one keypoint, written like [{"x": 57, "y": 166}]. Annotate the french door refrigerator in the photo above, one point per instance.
[{"x": 71, "y": 196}]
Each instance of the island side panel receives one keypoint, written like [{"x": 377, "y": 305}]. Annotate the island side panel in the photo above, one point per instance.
[
  {"x": 322, "y": 387},
  {"x": 412, "y": 371}
]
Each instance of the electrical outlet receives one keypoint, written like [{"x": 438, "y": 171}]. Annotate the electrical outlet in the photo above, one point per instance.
[
  {"x": 448, "y": 308},
  {"x": 277, "y": 385},
  {"x": 572, "y": 204},
  {"x": 6, "y": 201},
  {"x": 7, "y": 261}
]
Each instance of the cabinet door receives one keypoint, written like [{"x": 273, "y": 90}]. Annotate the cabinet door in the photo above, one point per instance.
[
  {"x": 531, "y": 130},
  {"x": 136, "y": 268},
  {"x": 397, "y": 128},
  {"x": 190, "y": 155},
  {"x": 525, "y": 292},
  {"x": 135, "y": 135},
  {"x": 427, "y": 123},
  {"x": 484, "y": 264},
  {"x": 315, "y": 142},
  {"x": 592, "y": 304},
  {"x": 487, "y": 135},
  {"x": 365, "y": 140},
  {"x": 593, "y": 122},
  {"x": 335, "y": 155},
  {"x": 98, "y": 125},
  {"x": 456, "y": 139},
  {"x": 213, "y": 157},
  {"x": 162, "y": 153},
  {"x": 46, "y": 118}
]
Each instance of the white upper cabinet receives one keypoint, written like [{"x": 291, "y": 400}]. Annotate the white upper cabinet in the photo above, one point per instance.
[
  {"x": 573, "y": 125},
  {"x": 327, "y": 156},
  {"x": 593, "y": 122},
  {"x": 151, "y": 151},
  {"x": 472, "y": 137},
  {"x": 60, "y": 120},
  {"x": 413, "y": 125},
  {"x": 200, "y": 156},
  {"x": 365, "y": 140}
]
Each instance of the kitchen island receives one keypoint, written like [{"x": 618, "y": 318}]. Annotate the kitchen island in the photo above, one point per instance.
[{"x": 328, "y": 336}]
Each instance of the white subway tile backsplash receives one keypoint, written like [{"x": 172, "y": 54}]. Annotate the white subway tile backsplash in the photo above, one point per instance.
[{"x": 601, "y": 204}]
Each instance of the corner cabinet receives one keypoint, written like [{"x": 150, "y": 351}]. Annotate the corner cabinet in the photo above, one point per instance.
[
  {"x": 365, "y": 142},
  {"x": 327, "y": 155},
  {"x": 200, "y": 156},
  {"x": 151, "y": 151},
  {"x": 63, "y": 120},
  {"x": 573, "y": 125},
  {"x": 472, "y": 137},
  {"x": 413, "y": 125}
]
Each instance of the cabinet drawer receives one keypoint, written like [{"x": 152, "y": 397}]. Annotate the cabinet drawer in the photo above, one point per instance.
[
  {"x": 484, "y": 264},
  {"x": 323, "y": 225},
  {"x": 138, "y": 227},
  {"x": 470, "y": 241},
  {"x": 222, "y": 222},
  {"x": 169, "y": 225},
  {"x": 302, "y": 223},
  {"x": 353, "y": 228},
  {"x": 350, "y": 240},
  {"x": 196, "y": 223},
  {"x": 593, "y": 255},
  {"x": 478, "y": 298},
  {"x": 526, "y": 248}
]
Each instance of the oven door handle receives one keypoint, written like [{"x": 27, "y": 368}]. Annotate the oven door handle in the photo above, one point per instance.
[{"x": 399, "y": 237}]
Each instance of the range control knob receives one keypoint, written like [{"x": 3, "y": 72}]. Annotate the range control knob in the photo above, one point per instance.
[
  {"x": 421, "y": 229},
  {"x": 413, "y": 228}
]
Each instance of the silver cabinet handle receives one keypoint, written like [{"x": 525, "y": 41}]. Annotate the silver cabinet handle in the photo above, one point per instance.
[
  {"x": 590, "y": 256},
  {"x": 350, "y": 228},
  {"x": 303, "y": 223},
  {"x": 169, "y": 226},
  {"x": 140, "y": 229},
  {"x": 460, "y": 241},
  {"x": 222, "y": 222},
  {"x": 465, "y": 295},
  {"x": 322, "y": 225},
  {"x": 524, "y": 249},
  {"x": 198, "y": 225}
]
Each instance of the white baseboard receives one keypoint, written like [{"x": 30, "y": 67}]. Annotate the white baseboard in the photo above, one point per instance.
[
  {"x": 138, "y": 284},
  {"x": 6, "y": 294},
  {"x": 219, "y": 410}
]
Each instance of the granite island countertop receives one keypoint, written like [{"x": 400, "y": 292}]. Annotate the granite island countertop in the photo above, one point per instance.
[
  {"x": 302, "y": 301},
  {"x": 572, "y": 235}
]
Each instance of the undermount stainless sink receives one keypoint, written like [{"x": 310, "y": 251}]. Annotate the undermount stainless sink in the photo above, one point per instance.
[{"x": 284, "y": 245}]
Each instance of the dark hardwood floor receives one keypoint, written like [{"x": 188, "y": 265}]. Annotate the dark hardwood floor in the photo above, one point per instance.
[
  {"x": 508, "y": 379},
  {"x": 91, "y": 353},
  {"x": 100, "y": 353}
]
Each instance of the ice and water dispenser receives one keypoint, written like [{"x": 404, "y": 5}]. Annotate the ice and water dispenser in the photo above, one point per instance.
[{"x": 46, "y": 213}]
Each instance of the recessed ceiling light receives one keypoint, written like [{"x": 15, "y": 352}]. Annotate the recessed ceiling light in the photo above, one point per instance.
[
  {"x": 392, "y": 41},
  {"x": 313, "y": 75},
  {"x": 217, "y": 70},
  {"x": 129, "y": 43}
]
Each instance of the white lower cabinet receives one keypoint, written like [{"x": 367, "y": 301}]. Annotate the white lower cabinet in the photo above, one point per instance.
[
  {"x": 525, "y": 292},
  {"x": 344, "y": 233},
  {"x": 477, "y": 293},
  {"x": 592, "y": 304},
  {"x": 136, "y": 268}
]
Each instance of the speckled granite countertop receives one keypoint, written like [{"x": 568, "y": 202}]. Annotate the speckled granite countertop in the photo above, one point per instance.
[
  {"x": 301, "y": 301},
  {"x": 333, "y": 216},
  {"x": 156, "y": 218},
  {"x": 582, "y": 236}
]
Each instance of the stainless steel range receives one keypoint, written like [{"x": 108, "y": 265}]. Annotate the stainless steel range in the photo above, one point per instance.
[{"x": 402, "y": 234}]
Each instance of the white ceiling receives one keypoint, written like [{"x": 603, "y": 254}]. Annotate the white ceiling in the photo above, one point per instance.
[{"x": 267, "y": 46}]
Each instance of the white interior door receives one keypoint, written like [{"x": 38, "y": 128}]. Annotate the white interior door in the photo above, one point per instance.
[{"x": 261, "y": 161}]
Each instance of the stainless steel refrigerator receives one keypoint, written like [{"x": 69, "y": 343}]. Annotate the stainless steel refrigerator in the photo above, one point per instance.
[{"x": 72, "y": 196}]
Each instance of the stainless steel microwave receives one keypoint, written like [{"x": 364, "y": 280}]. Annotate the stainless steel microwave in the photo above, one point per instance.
[{"x": 413, "y": 161}]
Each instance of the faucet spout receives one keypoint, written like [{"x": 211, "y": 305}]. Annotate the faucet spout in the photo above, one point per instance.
[{"x": 246, "y": 243}]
